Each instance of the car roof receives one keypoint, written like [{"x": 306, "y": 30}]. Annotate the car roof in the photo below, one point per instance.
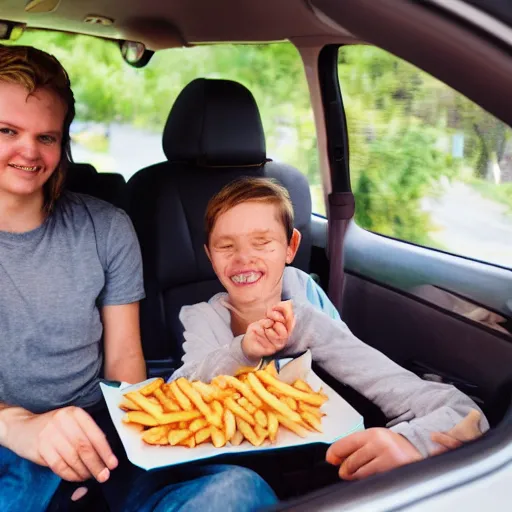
[{"x": 164, "y": 24}]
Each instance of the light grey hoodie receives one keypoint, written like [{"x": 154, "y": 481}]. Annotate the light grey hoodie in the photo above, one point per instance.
[{"x": 415, "y": 407}]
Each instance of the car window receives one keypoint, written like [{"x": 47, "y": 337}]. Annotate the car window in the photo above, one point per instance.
[
  {"x": 427, "y": 165},
  {"x": 121, "y": 111}
]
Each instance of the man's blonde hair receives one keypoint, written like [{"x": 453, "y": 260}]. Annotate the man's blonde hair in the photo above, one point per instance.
[
  {"x": 34, "y": 69},
  {"x": 242, "y": 190}
]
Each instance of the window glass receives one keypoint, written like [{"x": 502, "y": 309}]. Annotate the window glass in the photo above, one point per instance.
[
  {"x": 427, "y": 165},
  {"x": 121, "y": 111}
]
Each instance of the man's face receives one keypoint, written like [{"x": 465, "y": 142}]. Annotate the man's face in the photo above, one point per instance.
[{"x": 30, "y": 139}]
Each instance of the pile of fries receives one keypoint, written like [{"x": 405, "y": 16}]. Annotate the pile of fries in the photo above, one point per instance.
[{"x": 250, "y": 406}]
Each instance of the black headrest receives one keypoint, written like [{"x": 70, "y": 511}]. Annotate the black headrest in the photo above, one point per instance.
[
  {"x": 85, "y": 179},
  {"x": 168, "y": 203},
  {"x": 215, "y": 123},
  {"x": 81, "y": 178}
]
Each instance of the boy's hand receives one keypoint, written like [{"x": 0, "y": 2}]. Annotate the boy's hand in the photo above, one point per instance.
[
  {"x": 283, "y": 313},
  {"x": 269, "y": 335},
  {"x": 373, "y": 451},
  {"x": 263, "y": 338},
  {"x": 466, "y": 430}
]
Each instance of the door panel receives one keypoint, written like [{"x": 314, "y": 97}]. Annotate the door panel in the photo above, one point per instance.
[
  {"x": 409, "y": 267},
  {"x": 386, "y": 306}
]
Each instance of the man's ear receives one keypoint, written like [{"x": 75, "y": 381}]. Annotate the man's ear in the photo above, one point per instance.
[
  {"x": 207, "y": 252},
  {"x": 293, "y": 246}
]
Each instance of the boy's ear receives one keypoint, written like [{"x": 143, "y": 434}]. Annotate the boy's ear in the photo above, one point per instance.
[
  {"x": 207, "y": 252},
  {"x": 293, "y": 246}
]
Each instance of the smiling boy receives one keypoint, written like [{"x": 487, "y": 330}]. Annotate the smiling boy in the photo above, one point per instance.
[{"x": 250, "y": 239}]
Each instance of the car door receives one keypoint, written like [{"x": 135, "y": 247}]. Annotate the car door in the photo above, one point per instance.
[
  {"x": 428, "y": 255},
  {"x": 437, "y": 301}
]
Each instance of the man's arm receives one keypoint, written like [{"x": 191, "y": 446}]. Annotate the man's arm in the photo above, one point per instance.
[{"x": 124, "y": 360}]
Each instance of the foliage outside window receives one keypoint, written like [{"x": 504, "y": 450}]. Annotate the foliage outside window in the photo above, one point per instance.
[
  {"x": 121, "y": 111},
  {"x": 427, "y": 165}
]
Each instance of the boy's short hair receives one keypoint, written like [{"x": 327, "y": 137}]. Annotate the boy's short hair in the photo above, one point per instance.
[{"x": 242, "y": 190}]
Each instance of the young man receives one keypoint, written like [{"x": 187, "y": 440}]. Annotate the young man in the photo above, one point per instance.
[{"x": 250, "y": 240}]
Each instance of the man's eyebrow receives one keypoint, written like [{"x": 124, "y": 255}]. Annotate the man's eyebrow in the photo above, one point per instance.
[{"x": 10, "y": 125}]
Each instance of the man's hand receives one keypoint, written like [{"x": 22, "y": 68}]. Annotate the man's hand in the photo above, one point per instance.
[
  {"x": 66, "y": 440},
  {"x": 269, "y": 335},
  {"x": 373, "y": 451}
]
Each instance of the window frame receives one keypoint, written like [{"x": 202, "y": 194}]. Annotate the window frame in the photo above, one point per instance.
[{"x": 333, "y": 104}]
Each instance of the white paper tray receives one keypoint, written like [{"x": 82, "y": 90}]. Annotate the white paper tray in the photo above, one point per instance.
[{"x": 341, "y": 420}]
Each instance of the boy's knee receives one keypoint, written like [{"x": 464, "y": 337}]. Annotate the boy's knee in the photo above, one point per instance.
[{"x": 244, "y": 487}]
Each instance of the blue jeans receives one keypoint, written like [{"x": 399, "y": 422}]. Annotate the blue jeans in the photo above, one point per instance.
[
  {"x": 25, "y": 486},
  {"x": 219, "y": 488}
]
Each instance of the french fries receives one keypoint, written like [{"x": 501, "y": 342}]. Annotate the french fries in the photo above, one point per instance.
[
  {"x": 184, "y": 402},
  {"x": 229, "y": 424},
  {"x": 151, "y": 387},
  {"x": 168, "y": 404},
  {"x": 127, "y": 405},
  {"x": 197, "y": 400},
  {"x": 290, "y": 391},
  {"x": 145, "y": 404},
  {"x": 156, "y": 435},
  {"x": 237, "y": 439},
  {"x": 239, "y": 411},
  {"x": 273, "y": 426},
  {"x": 243, "y": 389},
  {"x": 229, "y": 410},
  {"x": 177, "y": 436},
  {"x": 271, "y": 399},
  {"x": 203, "y": 435},
  {"x": 248, "y": 432},
  {"x": 140, "y": 417}
]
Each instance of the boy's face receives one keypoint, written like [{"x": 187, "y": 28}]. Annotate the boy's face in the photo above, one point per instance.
[{"x": 248, "y": 249}]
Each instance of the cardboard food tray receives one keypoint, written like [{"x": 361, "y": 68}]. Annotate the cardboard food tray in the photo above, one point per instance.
[{"x": 341, "y": 420}]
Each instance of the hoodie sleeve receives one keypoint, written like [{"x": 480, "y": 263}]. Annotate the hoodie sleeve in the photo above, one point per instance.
[
  {"x": 415, "y": 408},
  {"x": 210, "y": 347}
]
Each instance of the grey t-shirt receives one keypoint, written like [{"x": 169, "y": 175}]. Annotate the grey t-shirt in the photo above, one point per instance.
[{"x": 53, "y": 282}]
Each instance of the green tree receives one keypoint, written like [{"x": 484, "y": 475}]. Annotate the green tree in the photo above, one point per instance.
[{"x": 107, "y": 89}]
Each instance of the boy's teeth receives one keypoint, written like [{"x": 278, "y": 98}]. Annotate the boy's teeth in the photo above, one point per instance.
[{"x": 250, "y": 277}]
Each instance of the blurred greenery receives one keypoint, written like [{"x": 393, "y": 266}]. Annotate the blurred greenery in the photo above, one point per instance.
[
  {"x": 108, "y": 90},
  {"x": 402, "y": 122},
  {"x": 403, "y": 125},
  {"x": 501, "y": 194}
]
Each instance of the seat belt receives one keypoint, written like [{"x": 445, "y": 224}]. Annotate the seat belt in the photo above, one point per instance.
[{"x": 341, "y": 210}]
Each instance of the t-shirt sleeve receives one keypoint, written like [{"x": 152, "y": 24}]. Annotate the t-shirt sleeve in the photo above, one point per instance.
[{"x": 123, "y": 274}]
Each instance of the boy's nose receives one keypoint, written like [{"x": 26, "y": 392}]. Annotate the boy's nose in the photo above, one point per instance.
[{"x": 244, "y": 256}]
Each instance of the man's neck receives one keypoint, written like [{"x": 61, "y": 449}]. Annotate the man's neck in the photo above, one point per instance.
[
  {"x": 242, "y": 315},
  {"x": 19, "y": 215}
]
